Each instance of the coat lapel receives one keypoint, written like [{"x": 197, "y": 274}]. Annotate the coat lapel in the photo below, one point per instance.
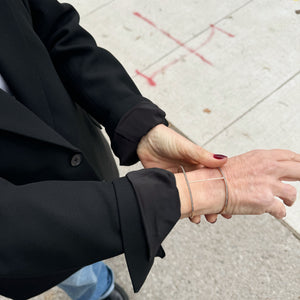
[
  {"x": 17, "y": 59},
  {"x": 16, "y": 118},
  {"x": 29, "y": 115}
]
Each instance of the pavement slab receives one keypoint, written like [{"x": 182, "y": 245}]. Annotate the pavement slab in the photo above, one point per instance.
[
  {"x": 272, "y": 123},
  {"x": 85, "y": 8},
  {"x": 249, "y": 257}
]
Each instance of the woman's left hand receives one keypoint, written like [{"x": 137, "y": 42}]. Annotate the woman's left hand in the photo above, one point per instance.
[{"x": 164, "y": 148}]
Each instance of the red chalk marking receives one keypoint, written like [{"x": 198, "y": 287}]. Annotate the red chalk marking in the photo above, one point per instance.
[
  {"x": 209, "y": 38},
  {"x": 167, "y": 34},
  {"x": 223, "y": 31},
  {"x": 203, "y": 59},
  {"x": 150, "y": 79},
  {"x": 162, "y": 70},
  {"x": 145, "y": 19},
  {"x": 161, "y": 30},
  {"x": 211, "y": 35}
]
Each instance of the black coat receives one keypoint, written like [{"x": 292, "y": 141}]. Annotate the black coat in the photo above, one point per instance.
[{"x": 57, "y": 214}]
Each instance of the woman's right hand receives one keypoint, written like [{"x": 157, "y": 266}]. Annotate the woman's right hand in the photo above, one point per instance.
[{"x": 254, "y": 184}]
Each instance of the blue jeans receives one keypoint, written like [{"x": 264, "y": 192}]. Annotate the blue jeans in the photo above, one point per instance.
[{"x": 93, "y": 282}]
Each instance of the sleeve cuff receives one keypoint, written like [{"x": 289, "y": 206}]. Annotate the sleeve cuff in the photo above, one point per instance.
[
  {"x": 132, "y": 127},
  {"x": 155, "y": 206},
  {"x": 146, "y": 218},
  {"x": 159, "y": 204},
  {"x": 133, "y": 236}
]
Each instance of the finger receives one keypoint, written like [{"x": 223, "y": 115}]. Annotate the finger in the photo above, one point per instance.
[
  {"x": 195, "y": 219},
  {"x": 289, "y": 169},
  {"x": 195, "y": 154},
  {"x": 211, "y": 218},
  {"x": 226, "y": 216},
  {"x": 287, "y": 179},
  {"x": 187, "y": 168},
  {"x": 279, "y": 155},
  {"x": 277, "y": 209},
  {"x": 286, "y": 192}
]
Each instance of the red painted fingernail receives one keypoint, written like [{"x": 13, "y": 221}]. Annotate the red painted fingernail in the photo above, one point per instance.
[{"x": 219, "y": 156}]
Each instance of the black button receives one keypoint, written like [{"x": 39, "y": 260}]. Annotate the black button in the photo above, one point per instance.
[{"x": 76, "y": 160}]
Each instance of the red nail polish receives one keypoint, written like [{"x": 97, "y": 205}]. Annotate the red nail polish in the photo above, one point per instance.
[{"x": 219, "y": 156}]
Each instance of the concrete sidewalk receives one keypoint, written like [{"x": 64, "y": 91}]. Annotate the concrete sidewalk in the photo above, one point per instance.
[{"x": 228, "y": 75}]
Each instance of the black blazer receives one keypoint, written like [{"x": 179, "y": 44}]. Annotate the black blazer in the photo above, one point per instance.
[{"x": 57, "y": 214}]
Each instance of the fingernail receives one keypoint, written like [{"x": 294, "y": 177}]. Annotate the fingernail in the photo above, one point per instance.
[
  {"x": 219, "y": 156},
  {"x": 214, "y": 221}
]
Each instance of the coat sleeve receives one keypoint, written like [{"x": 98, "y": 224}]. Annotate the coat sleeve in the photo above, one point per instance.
[
  {"x": 50, "y": 229},
  {"x": 94, "y": 78}
]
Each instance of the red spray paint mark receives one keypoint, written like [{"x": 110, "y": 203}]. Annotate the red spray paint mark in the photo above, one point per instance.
[
  {"x": 167, "y": 34},
  {"x": 149, "y": 79},
  {"x": 213, "y": 28},
  {"x": 223, "y": 31},
  {"x": 165, "y": 67}
]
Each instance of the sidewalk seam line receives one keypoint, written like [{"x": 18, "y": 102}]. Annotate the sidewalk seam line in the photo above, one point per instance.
[
  {"x": 97, "y": 8},
  {"x": 291, "y": 229},
  {"x": 192, "y": 38},
  {"x": 251, "y": 108}
]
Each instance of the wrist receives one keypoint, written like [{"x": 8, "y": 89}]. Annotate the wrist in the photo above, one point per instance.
[
  {"x": 213, "y": 192},
  {"x": 208, "y": 196},
  {"x": 185, "y": 201}
]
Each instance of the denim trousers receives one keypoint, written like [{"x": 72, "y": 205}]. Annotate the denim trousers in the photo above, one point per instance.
[{"x": 93, "y": 282}]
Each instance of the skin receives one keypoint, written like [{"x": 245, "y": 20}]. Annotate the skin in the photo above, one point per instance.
[
  {"x": 164, "y": 148},
  {"x": 254, "y": 178}
]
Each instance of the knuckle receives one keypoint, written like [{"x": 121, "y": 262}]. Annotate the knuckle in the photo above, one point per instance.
[
  {"x": 256, "y": 152},
  {"x": 264, "y": 198},
  {"x": 267, "y": 197},
  {"x": 269, "y": 166},
  {"x": 292, "y": 155}
]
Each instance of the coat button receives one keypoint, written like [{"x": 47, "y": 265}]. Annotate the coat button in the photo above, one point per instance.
[{"x": 76, "y": 160}]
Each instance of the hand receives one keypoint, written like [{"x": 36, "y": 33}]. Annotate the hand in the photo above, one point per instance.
[
  {"x": 164, "y": 148},
  {"x": 254, "y": 184}
]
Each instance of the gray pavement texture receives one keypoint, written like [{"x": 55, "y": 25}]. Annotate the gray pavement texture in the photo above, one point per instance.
[{"x": 246, "y": 97}]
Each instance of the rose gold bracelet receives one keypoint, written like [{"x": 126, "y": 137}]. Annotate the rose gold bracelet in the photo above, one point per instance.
[
  {"x": 190, "y": 191},
  {"x": 226, "y": 191},
  {"x": 208, "y": 179}
]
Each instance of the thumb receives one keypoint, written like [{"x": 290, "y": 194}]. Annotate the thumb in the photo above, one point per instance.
[{"x": 197, "y": 155}]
